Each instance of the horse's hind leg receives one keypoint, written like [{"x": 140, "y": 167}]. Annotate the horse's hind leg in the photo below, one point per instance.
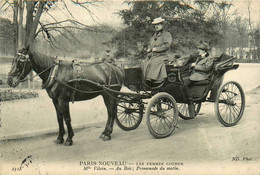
[
  {"x": 66, "y": 114},
  {"x": 111, "y": 111},
  {"x": 60, "y": 121}
]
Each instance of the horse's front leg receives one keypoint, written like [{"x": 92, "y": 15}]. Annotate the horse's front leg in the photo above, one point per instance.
[
  {"x": 111, "y": 111},
  {"x": 66, "y": 115},
  {"x": 60, "y": 121}
]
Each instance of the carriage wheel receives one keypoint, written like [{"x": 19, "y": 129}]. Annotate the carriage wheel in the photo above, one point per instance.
[
  {"x": 184, "y": 110},
  {"x": 129, "y": 115},
  {"x": 162, "y": 115},
  {"x": 230, "y": 103}
]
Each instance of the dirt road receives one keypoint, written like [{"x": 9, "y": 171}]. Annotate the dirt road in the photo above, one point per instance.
[{"x": 199, "y": 146}]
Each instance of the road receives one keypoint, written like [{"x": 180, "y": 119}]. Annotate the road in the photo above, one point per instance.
[
  {"x": 202, "y": 141},
  {"x": 199, "y": 146}
]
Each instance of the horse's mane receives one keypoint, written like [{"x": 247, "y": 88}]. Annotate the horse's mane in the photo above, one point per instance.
[{"x": 42, "y": 60}]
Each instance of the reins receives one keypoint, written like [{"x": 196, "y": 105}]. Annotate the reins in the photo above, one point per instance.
[
  {"x": 25, "y": 79},
  {"x": 88, "y": 81}
]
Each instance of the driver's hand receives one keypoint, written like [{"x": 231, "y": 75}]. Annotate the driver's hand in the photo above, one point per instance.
[
  {"x": 148, "y": 50},
  {"x": 193, "y": 64}
]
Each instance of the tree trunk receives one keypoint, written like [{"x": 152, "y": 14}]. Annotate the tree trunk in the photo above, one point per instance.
[
  {"x": 15, "y": 24},
  {"x": 35, "y": 24},
  {"x": 29, "y": 19},
  {"x": 251, "y": 29},
  {"x": 20, "y": 25}
]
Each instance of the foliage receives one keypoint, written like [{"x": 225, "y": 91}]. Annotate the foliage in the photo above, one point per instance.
[
  {"x": 7, "y": 37},
  {"x": 82, "y": 43},
  {"x": 186, "y": 24}
]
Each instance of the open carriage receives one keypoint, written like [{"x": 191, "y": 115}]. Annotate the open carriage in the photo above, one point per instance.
[
  {"x": 172, "y": 98},
  {"x": 162, "y": 105}
]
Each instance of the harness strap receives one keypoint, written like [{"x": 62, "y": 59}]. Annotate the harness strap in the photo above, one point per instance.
[
  {"x": 76, "y": 74},
  {"x": 52, "y": 74},
  {"x": 95, "y": 83},
  {"x": 71, "y": 87},
  {"x": 25, "y": 79},
  {"x": 77, "y": 79},
  {"x": 51, "y": 77},
  {"x": 110, "y": 75}
]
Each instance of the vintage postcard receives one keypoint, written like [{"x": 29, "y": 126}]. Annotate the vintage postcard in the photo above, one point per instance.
[{"x": 129, "y": 87}]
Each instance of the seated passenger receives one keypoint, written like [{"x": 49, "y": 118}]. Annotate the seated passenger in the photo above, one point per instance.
[
  {"x": 202, "y": 66},
  {"x": 154, "y": 66}
]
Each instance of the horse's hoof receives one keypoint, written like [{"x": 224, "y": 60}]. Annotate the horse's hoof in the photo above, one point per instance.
[
  {"x": 106, "y": 138},
  {"x": 59, "y": 141},
  {"x": 67, "y": 143},
  {"x": 102, "y": 136}
]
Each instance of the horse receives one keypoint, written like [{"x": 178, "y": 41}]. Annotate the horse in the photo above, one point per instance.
[{"x": 62, "y": 91}]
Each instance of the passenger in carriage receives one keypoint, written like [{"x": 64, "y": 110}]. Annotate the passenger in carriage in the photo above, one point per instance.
[
  {"x": 202, "y": 66},
  {"x": 154, "y": 65},
  {"x": 202, "y": 70}
]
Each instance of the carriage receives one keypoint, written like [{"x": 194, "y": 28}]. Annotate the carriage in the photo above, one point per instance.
[
  {"x": 173, "y": 98},
  {"x": 69, "y": 81}
]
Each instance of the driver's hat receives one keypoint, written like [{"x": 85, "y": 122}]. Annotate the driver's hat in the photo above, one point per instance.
[{"x": 158, "y": 20}]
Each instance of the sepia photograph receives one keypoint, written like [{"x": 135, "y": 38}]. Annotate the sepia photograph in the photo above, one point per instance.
[{"x": 129, "y": 87}]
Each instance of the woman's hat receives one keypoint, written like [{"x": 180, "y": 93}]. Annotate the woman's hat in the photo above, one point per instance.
[
  {"x": 158, "y": 20},
  {"x": 203, "y": 46}
]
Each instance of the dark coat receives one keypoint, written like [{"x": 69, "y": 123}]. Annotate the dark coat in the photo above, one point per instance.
[
  {"x": 154, "y": 67},
  {"x": 202, "y": 69}
]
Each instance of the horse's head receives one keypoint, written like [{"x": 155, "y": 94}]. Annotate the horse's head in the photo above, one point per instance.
[{"x": 21, "y": 67}]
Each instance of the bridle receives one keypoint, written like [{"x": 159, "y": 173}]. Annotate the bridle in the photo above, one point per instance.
[{"x": 24, "y": 59}]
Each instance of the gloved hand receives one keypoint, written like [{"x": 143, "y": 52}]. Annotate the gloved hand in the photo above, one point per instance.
[
  {"x": 154, "y": 49},
  {"x": 148, "y": 50}
]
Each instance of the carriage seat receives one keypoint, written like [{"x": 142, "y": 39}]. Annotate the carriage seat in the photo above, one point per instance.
[
  {"x": 223, "y": 61},
  {"x": 218, "y": 62}
]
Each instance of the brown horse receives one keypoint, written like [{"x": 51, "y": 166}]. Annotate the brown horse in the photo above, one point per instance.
[{"x": 62, "y": 91}]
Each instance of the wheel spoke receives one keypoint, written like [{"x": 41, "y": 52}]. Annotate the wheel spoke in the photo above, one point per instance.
[
  {"x": 236, "y": 109},
  {"x": 165, "y": 129},
  {"x": 135, "y": 118},
  {"x": 126, "y": 121},
  {"x": 129, "y": 120},
  {"x": 229, "y": 116},
  {"x": 168, "y": 124},
  {"x": 121, "y": 114},
  {"x": 233, "y": 114}
]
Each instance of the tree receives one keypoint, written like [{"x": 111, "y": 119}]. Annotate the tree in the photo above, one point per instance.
[
  {"x": 7, "y": 37},
  {"x": 187, "y": 25},
  {"x": 27, "y": 36},
  {"x": 34, "y": 9}
]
